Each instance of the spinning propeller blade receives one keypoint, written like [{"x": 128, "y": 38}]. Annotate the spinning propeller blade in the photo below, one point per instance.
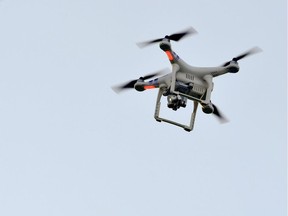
[
  {"x": 219, "y": 115},
  {"x": 247, "y": 53},
  {"x": 174, "y": 37},
  {"x": 130, "y": 84}
]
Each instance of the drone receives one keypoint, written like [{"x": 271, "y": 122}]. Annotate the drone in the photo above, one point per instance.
[{"x": 184, "y": 82}]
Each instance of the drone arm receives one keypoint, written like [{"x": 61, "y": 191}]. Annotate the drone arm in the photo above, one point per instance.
[
  {"x": 232, "y": 67},
  {"x": 142, "y": 86}
]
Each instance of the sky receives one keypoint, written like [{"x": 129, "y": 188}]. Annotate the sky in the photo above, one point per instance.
[{"x": 69, "y": 145}]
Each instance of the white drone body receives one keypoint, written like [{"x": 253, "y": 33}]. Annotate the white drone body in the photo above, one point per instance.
[{"x": 184, "y": 82}]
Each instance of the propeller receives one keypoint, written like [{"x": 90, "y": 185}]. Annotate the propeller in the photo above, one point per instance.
[
  {"x": 245, "y": 54},
  {"x": 130, "y": 84},
  {"x": 219, "y": 115},
  {"x": 175, "y": 37}
]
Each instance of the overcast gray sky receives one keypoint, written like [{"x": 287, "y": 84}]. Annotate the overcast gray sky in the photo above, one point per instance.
[{"x": 70, "y": 146}]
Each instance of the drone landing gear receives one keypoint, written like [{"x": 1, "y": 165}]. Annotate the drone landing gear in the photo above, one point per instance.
[{"x": 159, "y": 119}]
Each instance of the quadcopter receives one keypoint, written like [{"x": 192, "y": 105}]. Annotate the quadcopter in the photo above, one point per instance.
[{"x": 184, "y": 82}]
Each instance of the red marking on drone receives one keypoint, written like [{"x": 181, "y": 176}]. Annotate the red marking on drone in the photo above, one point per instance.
[
  {"x": 149, "y": 87},
  {"x": 170, "y": 55}
]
